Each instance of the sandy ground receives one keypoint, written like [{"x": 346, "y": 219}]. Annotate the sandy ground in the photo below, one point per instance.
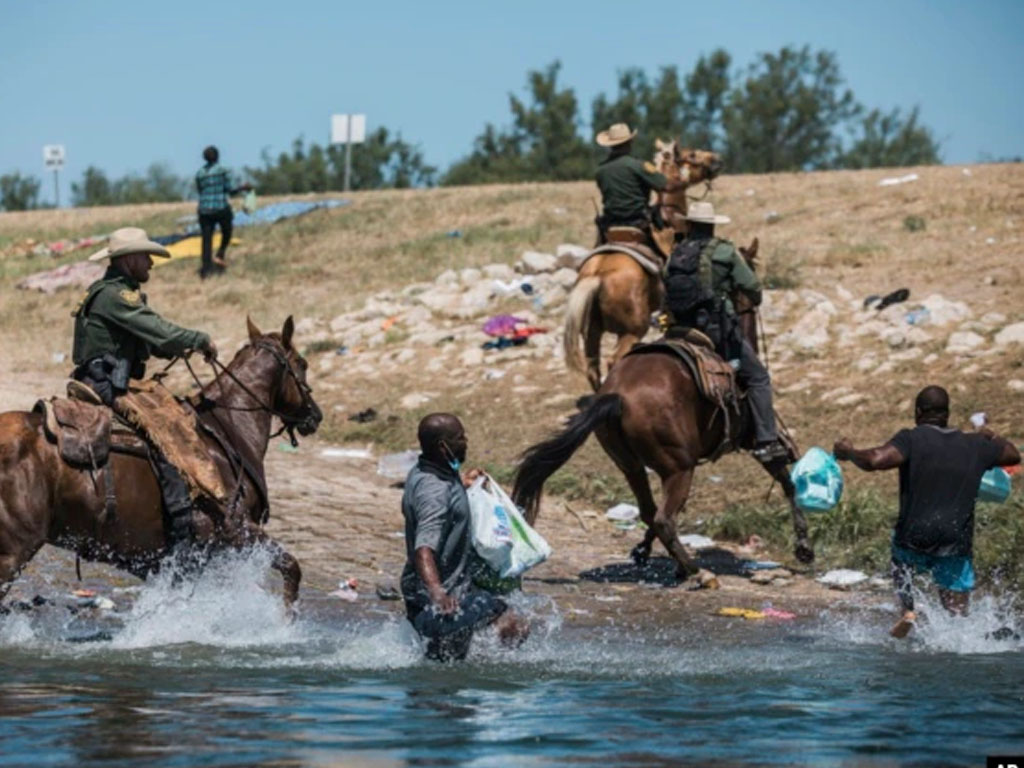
[{"x": 342, "y": 521}]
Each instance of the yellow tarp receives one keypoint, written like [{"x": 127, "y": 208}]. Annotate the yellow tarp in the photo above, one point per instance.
[{"x": 191, "y": 248}]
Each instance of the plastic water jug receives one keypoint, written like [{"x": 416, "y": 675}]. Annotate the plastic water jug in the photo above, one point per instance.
[
  {"x": 995, "y": 486},
  {"x": 818, "y": 480}
]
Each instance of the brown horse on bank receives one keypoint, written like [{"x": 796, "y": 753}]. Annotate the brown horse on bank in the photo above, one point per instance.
[
  {"x": 613, "y": 293},
  {"x": 648, "y": 413},
  {"x": 44, "y": 500}
]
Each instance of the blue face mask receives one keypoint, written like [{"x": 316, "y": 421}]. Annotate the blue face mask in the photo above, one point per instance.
[{"x": 455, "y": 464}]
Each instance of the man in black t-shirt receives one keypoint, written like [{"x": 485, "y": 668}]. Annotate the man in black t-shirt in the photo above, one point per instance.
[{"x": 940, "y": 471}]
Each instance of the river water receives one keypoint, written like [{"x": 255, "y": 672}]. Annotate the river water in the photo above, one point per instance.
[{"x": 200, "y": 674}]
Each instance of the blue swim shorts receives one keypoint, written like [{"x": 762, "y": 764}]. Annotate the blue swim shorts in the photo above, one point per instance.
[{"x": 952, "y": 572}]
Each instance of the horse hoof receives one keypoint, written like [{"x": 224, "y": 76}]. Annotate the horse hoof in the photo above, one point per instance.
[
  {"x": 804, "y": 552},
  {"x": 640, "y": 555}
]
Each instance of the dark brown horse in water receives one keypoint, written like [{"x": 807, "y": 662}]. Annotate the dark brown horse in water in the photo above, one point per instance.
[
  {"x": 648, "y": 413},
  {"x": 613, "y": 293},
  {"x": 44, "y": 500}
]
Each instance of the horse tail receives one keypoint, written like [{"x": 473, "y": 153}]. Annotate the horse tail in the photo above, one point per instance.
[
  {"x": 545, "y": 458},
  {"x": 577, "y": 318}
]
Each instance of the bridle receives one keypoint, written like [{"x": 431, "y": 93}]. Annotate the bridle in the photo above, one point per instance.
[{"x": 289, "y": 422}]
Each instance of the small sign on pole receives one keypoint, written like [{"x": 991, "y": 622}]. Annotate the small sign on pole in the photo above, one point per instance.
[
  {"x": 53, "y": 159},
  {"x": 348, "y": 130}
]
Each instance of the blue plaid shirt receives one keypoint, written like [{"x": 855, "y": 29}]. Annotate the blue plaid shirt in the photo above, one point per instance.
[{"x": 214, "y": 185}]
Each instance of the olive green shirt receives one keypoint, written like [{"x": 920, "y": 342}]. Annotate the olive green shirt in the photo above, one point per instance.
[
  {"x": 114, "y": 317},
  {"x": 626, "y": 185},
  {"x": 730, "y": 272}
]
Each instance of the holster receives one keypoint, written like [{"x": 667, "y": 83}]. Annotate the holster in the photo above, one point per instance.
[{"x": 107, "y": 374}]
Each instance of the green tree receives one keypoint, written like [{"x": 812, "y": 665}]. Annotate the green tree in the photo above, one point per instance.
[
  {"x": 543, "y": 143},
  {"x": 93, "y": 189},
  {"x": 889, "y": 139},
  {"x": 706, "y": 92},
  {"x": 785, "y": 114},
  {"x": 157, "y": 185},
  {"x": 18, "y": 193}
]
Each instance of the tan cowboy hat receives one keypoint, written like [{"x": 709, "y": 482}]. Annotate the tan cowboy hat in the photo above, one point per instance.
[
  {"x": 704, "y": 211},
  {"x": 129, "y": 240},
  {"x": 617, "y": 134}
]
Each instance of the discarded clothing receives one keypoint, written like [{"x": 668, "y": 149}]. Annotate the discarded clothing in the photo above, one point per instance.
[
  {"x": 503, "y": 343},
  {"x": 81, "y": 274},
  {"x": 502, "y": 325}
]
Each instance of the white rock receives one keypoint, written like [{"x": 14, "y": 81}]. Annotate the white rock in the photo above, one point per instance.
[
  {"x": 895, "y": 338},
  {"x": 993, "y": 318},
  {"x": 917, "y": 336},
  {"x": 570, "y": 256},
  {"x": 1015, "y": 385},
  {"x": 810, "y": 333},
  {"x": 470, "y": 276},
  {"x": 1011, "y": 334},
  {"x": 843, "y": 294},
  {"x": 553, "y": 297},
  {"x": 375, "y": 309},
  {"x": 415, "y": 399},
  {"x": 305, "y": 326},
  {"x": 941, "y": 311},
  {"x": 832, "y": 394},
  {"x": 534, "y": 261},
  {"x": 499, "y": 272},
  {"x": 851, "y": 399},
  {"x": 565, "y": 277},
  {"x": 415, "y": 317},
  {"x": 906, "y": 355},
  {"x": 866, "y": 363},
  {"x": 405, "y": 356},
  {"x": 441, "y": 300},
  {"x": 341, "y": 323},
  {"x": 472, "y": 357},
  {"x": 964, "y": 341},
  {"x": 930, "y": 359},
  {"x": 448, "y": 277}
]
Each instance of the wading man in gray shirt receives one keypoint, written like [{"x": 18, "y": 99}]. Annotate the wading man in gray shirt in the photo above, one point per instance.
[{"x": 440, "y": 600}]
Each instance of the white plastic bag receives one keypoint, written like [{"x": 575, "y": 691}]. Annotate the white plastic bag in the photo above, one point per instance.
[{"x": 501, "y": 535}]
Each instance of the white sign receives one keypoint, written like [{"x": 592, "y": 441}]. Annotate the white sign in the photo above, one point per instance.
[
  {"x": 346, "y": 129},
  {"x": 53, "y": 156}
]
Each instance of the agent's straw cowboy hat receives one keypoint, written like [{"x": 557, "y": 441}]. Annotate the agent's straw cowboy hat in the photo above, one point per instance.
[
  {"x": 617, "y": 134},
  {"x": 129, "y": 240},
  {"x": 704, "y": 212}
]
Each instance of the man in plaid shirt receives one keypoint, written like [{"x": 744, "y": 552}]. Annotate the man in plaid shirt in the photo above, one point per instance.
[{"x": 214, "y": 185}]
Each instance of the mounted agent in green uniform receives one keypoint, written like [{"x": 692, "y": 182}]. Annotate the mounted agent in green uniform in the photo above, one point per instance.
[
  {"x": 626, "y": 183},
  {"x": 116, "y": 332},
  {"x": 701, "y": 297}
]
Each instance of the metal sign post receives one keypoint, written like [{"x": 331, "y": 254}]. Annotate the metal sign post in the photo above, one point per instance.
[
  {"x": 53, "y": 158},
  {"x": 348, "y": 130}
]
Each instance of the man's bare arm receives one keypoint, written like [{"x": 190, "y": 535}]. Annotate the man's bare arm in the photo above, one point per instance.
[
  {"x": 869, "y": 459},
  {"x": 426, "y": 568}
]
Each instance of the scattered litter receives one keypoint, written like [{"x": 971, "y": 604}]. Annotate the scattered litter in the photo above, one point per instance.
[
  {"x": 493, "y": 374},
  {"x": 86, "y": 593},
  {"x": 771, "y": 576},
  {"x": 386, "y": 325},
  {"x": 504, "y": 342},
  {"x": 397, "y": 465},
  {"x": 759, "y": 565},
  {"x": 346, "y": 591},
  {"x": 363, "y": 417},
  {"x": 965, "y": 171},
  {"x": 979, "y": 419},
  {"x": 453, "y": 233},
  {"x": 58, "y": 357},
  {"x": 716, "y": 478},
  {"x": 608, "y": 598},
  {"x": 387, "y": 592},
  {"x": 707, "y": 580},
  {"x": 772, "y": 217},
  {"x": 623, "y": 512},
  {"x": 82, "y": 274},
  {"x": 346, "y": 453},
  {"x": 741, "y": 613},
  {"x": 696, "y": 541},
  {"x": 842, "y": 578},
  {"x": 896, "y": 297},
  {"x": 287, "y": 447},
  {"x": 342, "y": 350},
  {"x": 502, "y": 325},
  {"x": 509, "y": 287},
  {"x": 894, "y": 180},
  {"x": 625, "y": 525},
  {"x": 754, "y": 542},
  {"x": 990, "y": 241},
  {"x": 918, "y": 316},
  {"x": 775, "y": 613}
]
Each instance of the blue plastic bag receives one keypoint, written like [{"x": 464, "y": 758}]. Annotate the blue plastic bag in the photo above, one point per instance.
[
  {"x": 818, "y": 480},
  {"x": 995, "y": 486}
]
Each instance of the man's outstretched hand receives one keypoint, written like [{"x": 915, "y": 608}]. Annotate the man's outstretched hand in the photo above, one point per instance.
[{"x": 843, "y": 449}]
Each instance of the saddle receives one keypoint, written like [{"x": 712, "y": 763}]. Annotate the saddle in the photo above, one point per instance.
[
  {"x": 714, "y": 377},
  {"x": 86, "y": 432}
]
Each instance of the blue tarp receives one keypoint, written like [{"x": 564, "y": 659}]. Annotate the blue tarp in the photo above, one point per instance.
[{"x": 268, "y": 214}]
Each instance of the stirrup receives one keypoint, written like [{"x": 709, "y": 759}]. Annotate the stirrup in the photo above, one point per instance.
[
  {"x": 766, "y": 454},
  {"x": 79, "y": 390}
]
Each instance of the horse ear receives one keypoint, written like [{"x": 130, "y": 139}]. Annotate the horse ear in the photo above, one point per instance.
[
  {"x": 287, "y": 331},
  {"x": 254, "y": 332},
  {"x": 659, "y": 144},
  {"x": 752, "y": 250}
]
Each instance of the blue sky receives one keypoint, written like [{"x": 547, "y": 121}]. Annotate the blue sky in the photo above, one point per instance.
[{"x": 123, "y": 84}]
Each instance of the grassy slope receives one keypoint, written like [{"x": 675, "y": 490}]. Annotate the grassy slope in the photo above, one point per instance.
[{"x": 829, "y": 229}]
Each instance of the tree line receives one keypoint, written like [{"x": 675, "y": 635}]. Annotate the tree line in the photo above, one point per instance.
[{"x": 788, "y": 110}]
